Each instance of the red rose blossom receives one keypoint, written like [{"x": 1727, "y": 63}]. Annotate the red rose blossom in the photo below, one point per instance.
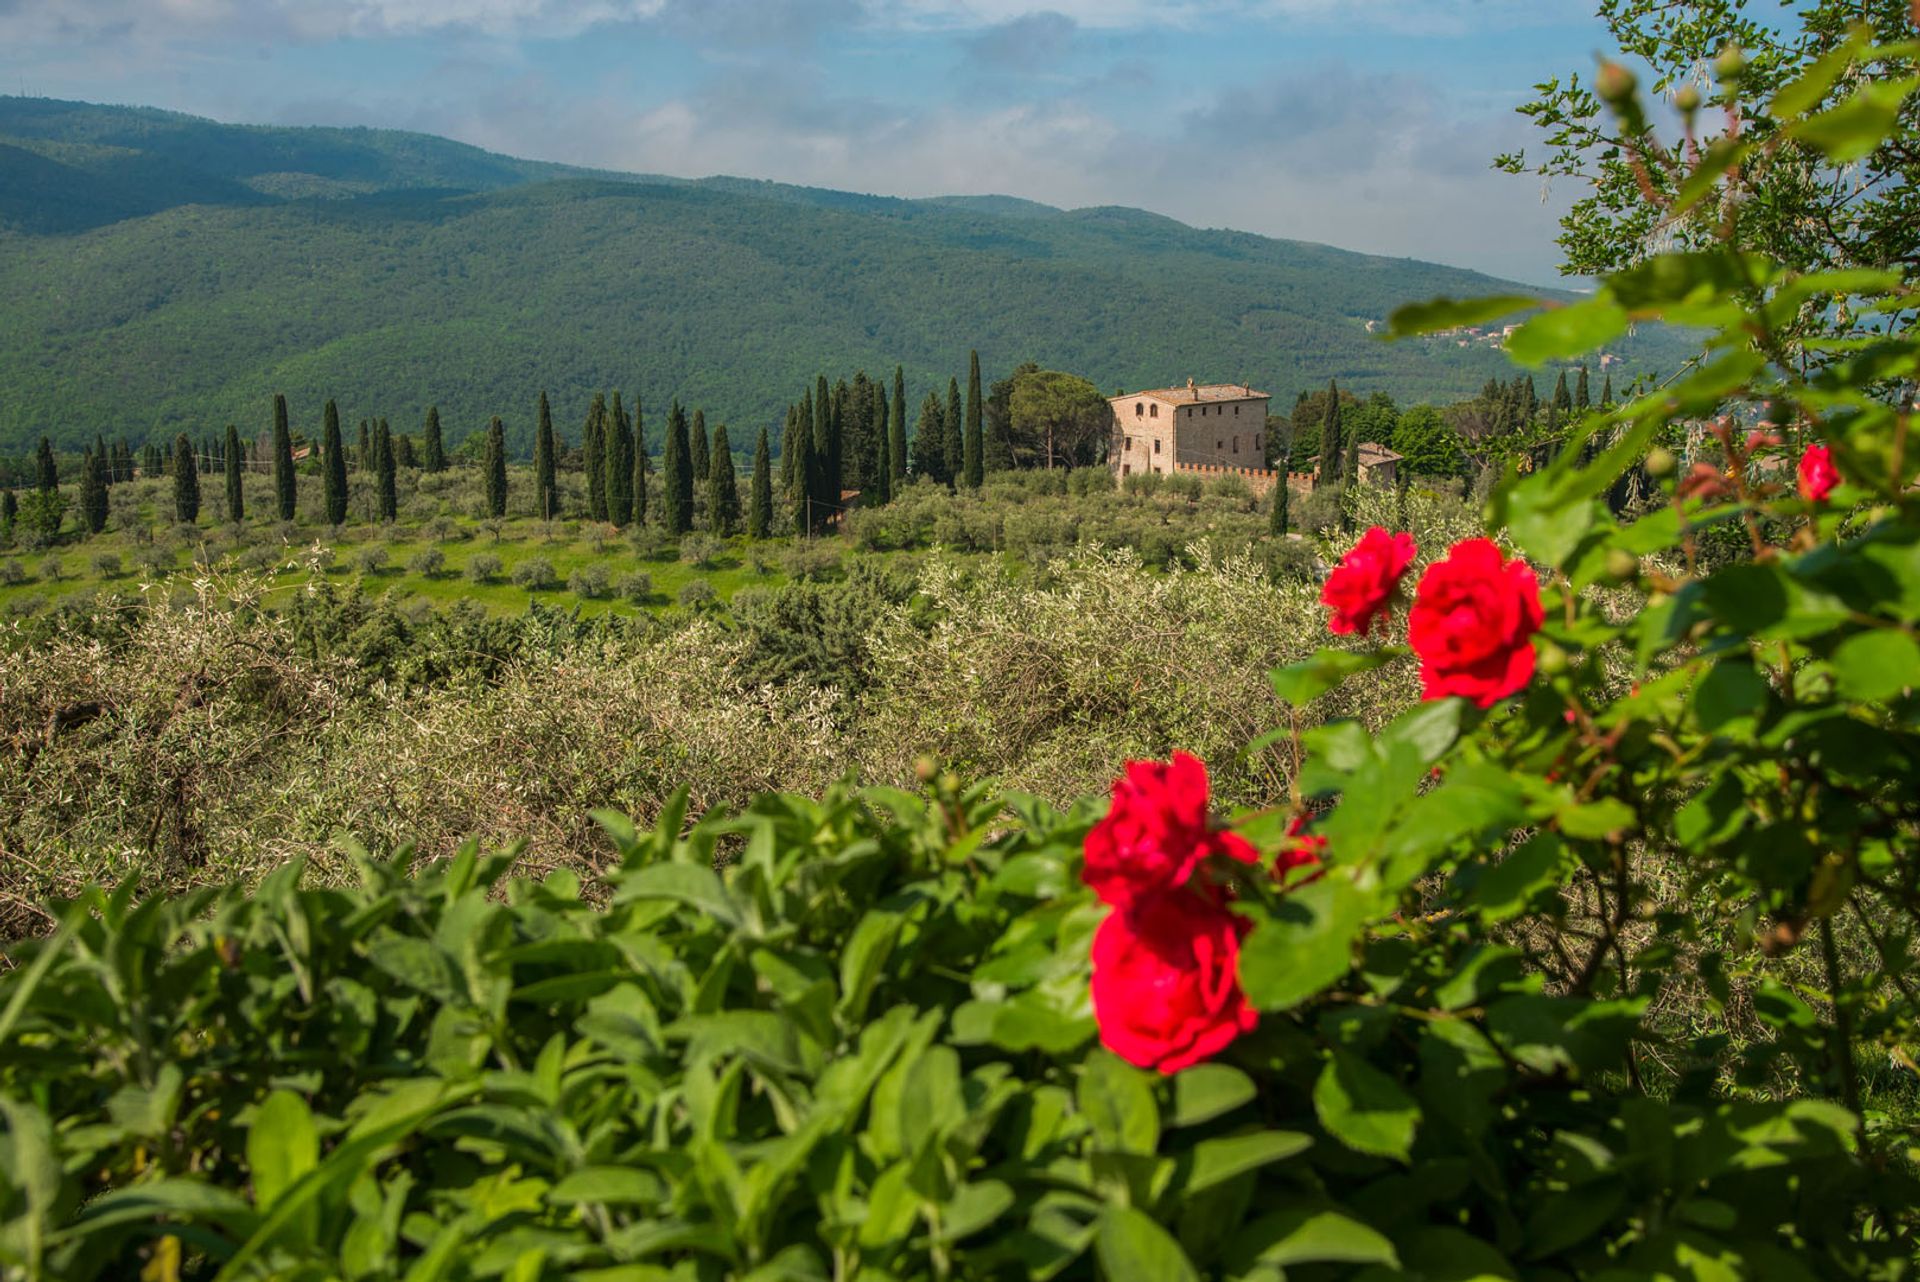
[
  {"x": 1156, "y": 833},
  {"x": 1818, "y": 476},
  {"x": 1166, "y": 988},
  {"x": 1361, "y": 587},
  {"x": 1473, "y": 619},
  {"x": 1302, "y": 851}
]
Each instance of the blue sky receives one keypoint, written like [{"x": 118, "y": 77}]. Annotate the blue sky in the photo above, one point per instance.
[{"x": 1361, "y": 123}]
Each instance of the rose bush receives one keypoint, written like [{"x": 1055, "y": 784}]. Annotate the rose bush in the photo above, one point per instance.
[
  {"x": 1472, "y": 624},
  {"x": 1361, "y": 588}
]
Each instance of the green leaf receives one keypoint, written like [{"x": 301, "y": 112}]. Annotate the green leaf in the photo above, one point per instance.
[
  {"x": 1216, "y": 1161},
  {"x": 1299, "y": 684},
  {"x": 1304, "y": 944},
  {"x": 1547, "y": 525},
  {"x": 1568, "y": 331},
  {"x": 1876, "y": 665},
  {"x": 863, "y": 958},
  {"x": 690, "y": 884},
  {"x": 1597, "y": 820},
  {"x": 609, "y": 1186},
  {"x": 1205, "y": 1091},
  {"x": 282, "y": 1145},
  {"x": 971, "y": 1208},
  {"x": 1365, "y": 1109},
  {"x": 1855, "y": 128},
  {"x": 1447, "y": 313},
  {"x": 1504, "y": 890},
  {"x": 1132, "y": 1248},
  {"x": 1117, "y": 1100},
  {"x": 1309, "y": 1235}
]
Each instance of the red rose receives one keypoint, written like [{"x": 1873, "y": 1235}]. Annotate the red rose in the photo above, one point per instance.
[
  {"x": 1360, "y": 589},
  {"x": 1166, "y": 987},
  {"x": 1473, "y": 619},
  {"x": 1156, "y": 833},
  {"x": 1817, "y": 474},
  {"x": 1303, "y": 850}
]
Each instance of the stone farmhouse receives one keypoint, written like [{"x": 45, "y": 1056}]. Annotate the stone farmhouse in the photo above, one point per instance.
[{"x": 1208, "y": 430}]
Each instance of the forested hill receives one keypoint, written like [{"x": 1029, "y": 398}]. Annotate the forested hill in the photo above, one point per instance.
[{"x": 167, "y": 273}]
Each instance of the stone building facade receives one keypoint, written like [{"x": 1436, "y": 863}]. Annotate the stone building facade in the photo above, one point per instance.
[{"x": 1170, "y": 429}]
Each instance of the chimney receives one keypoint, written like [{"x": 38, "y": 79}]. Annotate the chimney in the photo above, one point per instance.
[{"x": 1192, "y": 388}]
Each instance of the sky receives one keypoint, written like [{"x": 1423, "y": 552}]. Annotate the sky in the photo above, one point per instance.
[{"x": 1367, "y": 124}]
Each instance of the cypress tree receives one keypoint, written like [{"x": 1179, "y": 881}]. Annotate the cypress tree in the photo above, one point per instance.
[
  {"x": 404, "y": 454},
  {"x": 723, "y": 488},
  {"x": 363, "y": 448},
  {"x": 929, "y": 434},
  {"x": 1330, "y": 438},
  {"x": 760, "y": 497},
  {"x": 433, "y": 451},
  {"x": 619, "y": 466},
  {"x": 702, "y": 455},
  {"x": 284, "y": 488},
  {"x": 384, "y": 469},
  {"x": 882, "y": 484},
  {"x": 1562, "y": 399},
  {"x": 9, "y": 511},
  {"x": 786, "y": 451},
  {"x": 1606, "y": 390},
  {"x": 676, "y": 500},
  {"x": 824, "y": 485},
  {"x": 1580, "y": 400},
  {"x": 953, "y": 445},
  {"x": 640, "y": 466},
  {"x": 593, "y": 447},
  {"x": 46, "y": 468},
  {"x": 186, "y": 482},
  {"x": 897, "y": 432},
  {"x": 496, "y": 458},
  {"x": 836, "y": 472},
  {"x": 545, "y": 488},
  {"x": 1282, "y": 496},
  {"x": 106, "y": 459},
  {"x": 973, "y": 444},
  {"x": 801, "y": 494},
  {"x": 236, "y": 489},
  {"x": 1350, "y": 465},
  {"x": 333, "y": 463},
  {"x": 93, "y": 492}
]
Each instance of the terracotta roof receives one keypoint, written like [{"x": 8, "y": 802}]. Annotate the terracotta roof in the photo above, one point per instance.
[
  {"x": 1204, "y": 392},
  {"x": 1372, "y": 453}
]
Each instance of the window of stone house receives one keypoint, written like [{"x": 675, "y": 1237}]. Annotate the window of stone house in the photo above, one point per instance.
[
  {"x": 1156, "y": 445},
  {"x": 1154, "y": 412},
  {"x": 1138, "y": 409},
  {"x": 1256, "y": 440},
  {"x": 1236, "y": 445}
]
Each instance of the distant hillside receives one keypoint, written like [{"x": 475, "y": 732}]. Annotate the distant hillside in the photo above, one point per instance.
[{"x": 165, "y": 273}]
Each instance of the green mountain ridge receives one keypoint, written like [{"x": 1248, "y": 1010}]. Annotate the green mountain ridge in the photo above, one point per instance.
[{"x": 166, "y": 273}]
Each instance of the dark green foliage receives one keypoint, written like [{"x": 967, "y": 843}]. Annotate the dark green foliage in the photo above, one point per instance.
[
  {"x": 799, "y": 446},
  {"x": 495, "y": 467},
  {"x": 760, "y": 496},
  {"x": 929, "y": 440},
  {"x": 593, "y": 451},
  {"x": 1562, "y": 398},
  {"x": 1428, "y": 446},
  {"x": 897, "y": 433},
  {"x": 701, "y": 452},
  {"x": 9, "y": 513},
  {"x": 640, "y": 465},
  {"x": 285, "y": 488},
  {"x": 93, "y": 492},
  {"x": 1330, "y": 458},
  {"x": 786, "y": 451},
  {"x": 386, "y": 497},
  {"x": 1282, "y": 499},
  {"x": 999, "y": 409},
  {"x": 619, "y": 465},
  {"x": 820, "y": 632},
  {"x": 363, "y": 448},
  {"x": 723, "y": 487},
  {"x": 1606, "y": 391},
  {"x": 433, "y": 450},
  {"x": 333, "y": 463},
  {"x": 235, "y": 465},
  {"x": 880, "y": 482},
  {"x": 404, "y": 453},
  {"x": 186, "y": 482},
  {"x": 973, "y": 445},
  {"x": 546, "y": 501},
  {"x": 1580, "y": 397},
  {"x": 676, "y": 505},
  {"x": 824, "y": 481},
  {"x": 46, "y": 468},
  {"x": 953, "y": 444}
]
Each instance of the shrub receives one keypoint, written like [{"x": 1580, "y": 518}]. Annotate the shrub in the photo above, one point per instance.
[
  {"x": 260, "y": 559},
  {"x": 535, "y": 574},
  {"x": 52, "y": 568},
  {"x": 590, "y": 580},
  {"x": 427, "y": 562},
  {"x": 12, "y": 572},
  {"x": 371, "y": 559},
  {"x": 444, "y": 529},
  {"x": 25, "y": 605},
  {"x": 158, "y": 559},
  {"x": 635, "y": 586},
  {"x": 701, "y": 549},
  {"x": 696, "y": 594},
  {"x": 107, "y": 564},
  {"x": 483, "y": 567},
  {"x": 811, "y": 561}
]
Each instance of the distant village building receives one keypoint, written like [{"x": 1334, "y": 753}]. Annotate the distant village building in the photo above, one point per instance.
[{"x": 1378, "y": 465}]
